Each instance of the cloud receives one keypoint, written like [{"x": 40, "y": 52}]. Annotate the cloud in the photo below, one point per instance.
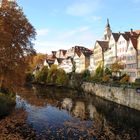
[
  {"x": 83, "y": 36},
  {"x": 93, "y": 18},
  {"x": 75, "y": 32},
  {"x": 83, "y": 8},
  {"x": 49, "y": 46},
  {"x": 42, "y": 32}
]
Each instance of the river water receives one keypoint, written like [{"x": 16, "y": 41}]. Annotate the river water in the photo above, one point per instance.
[{"x": 57, "y": 113}]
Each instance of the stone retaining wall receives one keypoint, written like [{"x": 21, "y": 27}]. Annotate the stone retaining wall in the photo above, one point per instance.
[{"x": 124, "y": 96}]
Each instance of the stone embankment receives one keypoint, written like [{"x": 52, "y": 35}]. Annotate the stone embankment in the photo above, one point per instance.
[{"x": 124, "y": 96}]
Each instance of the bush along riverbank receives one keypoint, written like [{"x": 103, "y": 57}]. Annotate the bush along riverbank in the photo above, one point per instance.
[
  {"x": 7, "y": 104},
  {"x": 55, "y": 77},
  {"x": 58, "y": 77}
]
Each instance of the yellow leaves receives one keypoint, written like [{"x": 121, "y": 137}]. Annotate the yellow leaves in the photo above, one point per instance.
[
  {"x": 124, "y": 79},
  {"x": 106, "y": 78},
  {"x": 117, "y": 66},
  {"x": 37, "y": 60}
]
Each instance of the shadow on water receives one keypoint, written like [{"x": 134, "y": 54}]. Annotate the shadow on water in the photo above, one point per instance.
[{"x": 63, "y": 114}]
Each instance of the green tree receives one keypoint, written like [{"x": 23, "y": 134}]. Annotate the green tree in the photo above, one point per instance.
[
  {"x": 41, "y": 75},
  {"x": 86, "y": 75},
  {"x": 62, "y": 77},
  {"x": 98, "y": 73},
  {"x": 107, "y": 71},
  {"x": 52, "y": 74},
  {"x": 16, "y": 35}
]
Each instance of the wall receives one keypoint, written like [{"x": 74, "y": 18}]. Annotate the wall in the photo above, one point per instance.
[{"x": 124, "y": 96}]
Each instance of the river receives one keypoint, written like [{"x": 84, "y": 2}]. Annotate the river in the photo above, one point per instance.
[{"x": 57, "y": 113}]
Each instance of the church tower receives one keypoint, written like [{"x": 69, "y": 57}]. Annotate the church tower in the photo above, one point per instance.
[{"x": 107, "y": 31}]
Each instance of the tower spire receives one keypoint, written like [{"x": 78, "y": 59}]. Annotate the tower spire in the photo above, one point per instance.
[
  {"x": 107, "y": 25},
  {"x": 107, "y": 31}
]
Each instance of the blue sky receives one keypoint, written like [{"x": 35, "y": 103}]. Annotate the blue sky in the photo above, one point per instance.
[{"x": 61, "y": 24}]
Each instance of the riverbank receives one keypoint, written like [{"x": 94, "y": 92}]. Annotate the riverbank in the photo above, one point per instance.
[
  {"x": 123, "y": 96},
  {"x": 14, "y": 127}
]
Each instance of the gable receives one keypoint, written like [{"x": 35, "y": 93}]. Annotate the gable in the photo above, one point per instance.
[{"x": 97, "y": 46}]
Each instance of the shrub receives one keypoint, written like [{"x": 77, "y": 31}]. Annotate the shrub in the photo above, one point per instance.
[
  {"x": 7, "y": 103},
  {"x": 61, "y": 78},
  {"x": 124, "y": 79},
  {"x": 106, "y": 78},
  {"x": 29, "y": 77},
  {"x": 107, "y": 71},
  {"x": 98, "y": 73},
  {"x": 52, "y": 74},
  {"x": 137, "y": 80},
  {"x": 41, "y": 76},
  {"x": 86, "y": 75}
]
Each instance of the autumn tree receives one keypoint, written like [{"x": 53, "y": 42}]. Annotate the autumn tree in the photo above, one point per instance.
[
  {"x": 36, "y": 60},
  {"x": 117, "y": 67},
  {"x": 16, "y": 36}
]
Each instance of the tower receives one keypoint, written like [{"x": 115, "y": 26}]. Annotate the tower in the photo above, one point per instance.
[{"x": 107, "y": 31}]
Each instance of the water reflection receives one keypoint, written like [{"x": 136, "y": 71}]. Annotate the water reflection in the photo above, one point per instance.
[
  {"x": 67, "y": 104},
  {"x": 77, "y": 115}
]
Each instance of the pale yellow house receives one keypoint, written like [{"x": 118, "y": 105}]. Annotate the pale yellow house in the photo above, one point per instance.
[
  {"x": 98, "y": 51},
  {"x": 84, "y": 60}
]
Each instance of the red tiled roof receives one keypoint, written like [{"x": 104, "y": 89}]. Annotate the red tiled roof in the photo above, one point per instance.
[
  {"x": 78, "y": 52},
  {"x": 87, "y": 53},
  {"x": 134, "y": 42},
  {"x": 64, "y": 51},
  {"x": 50, "y": 57},
  {"x": 126, "y": 35},
  {"x": 103, "y": 44},
  {"x": 137, "y": 31}
]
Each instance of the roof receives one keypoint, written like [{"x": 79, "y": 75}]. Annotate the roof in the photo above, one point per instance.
[
  {"x": 87, "y": 53},
  {"x": 137, "y": 31},
  {"x": 103, "y": 44},
  {"x": 78, "y": 52},
  {"x": 64, "y": 51},
  {"x": 126, "y": 36},
  {"x": 116, "y": 36},
  {"x": 59, "y": 60},
  {"x": 134, "y": 42}
]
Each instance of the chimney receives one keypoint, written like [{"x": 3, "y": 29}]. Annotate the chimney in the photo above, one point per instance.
[{"x": 131, "y": 31}]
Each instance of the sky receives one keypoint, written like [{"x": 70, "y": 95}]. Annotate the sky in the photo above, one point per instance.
[{"x": 62, "y": 24}]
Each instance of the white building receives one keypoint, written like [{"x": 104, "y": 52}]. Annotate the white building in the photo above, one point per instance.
[{"x": 110, "y": 55}]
